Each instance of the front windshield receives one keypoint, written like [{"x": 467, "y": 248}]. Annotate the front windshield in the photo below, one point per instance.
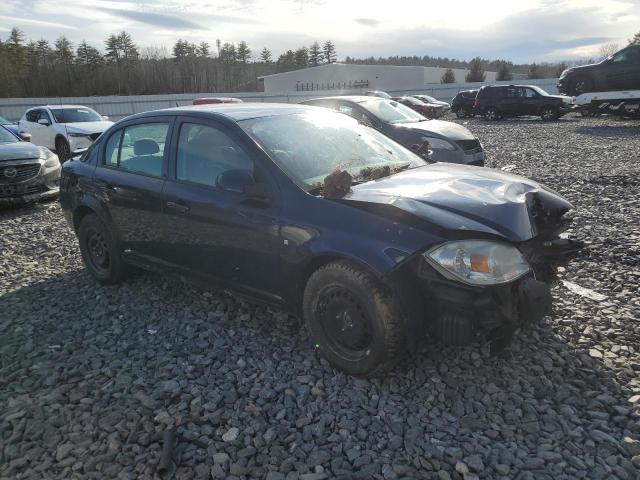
[
  {"x": 539, "y": 90},
  {"x": 413, "y": 101},
  {"x": 390, "y": 111},
  {"x": 309, "y": 146},
  {"x": 429, "y": 99},
  {"x": 76, "y": 114},
  {"x": 6, "y": 136}
]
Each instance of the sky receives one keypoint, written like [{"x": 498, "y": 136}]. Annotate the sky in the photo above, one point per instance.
[{"x": 516, "y": 30}]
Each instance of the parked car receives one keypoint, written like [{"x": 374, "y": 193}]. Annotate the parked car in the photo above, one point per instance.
[
  {"x": 67, "y": 129},
  {"x": 462, "y": 103},
  {"x": 620, "y": 71},
  {"x": 239, "y": 195},
  {"x": 496, "y": 102},
  {"x": 214, "y": 100},
  {"x": 426, "y": 109},
  {"x": 12, "y": 127},
  {"x": 27, "y": 172},
  {"x": 448, "y": 141},
  {"x": 433, "y": 101},
  {"x": 377, "y": 93}
]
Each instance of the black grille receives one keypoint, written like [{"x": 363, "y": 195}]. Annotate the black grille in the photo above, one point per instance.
[
  {"x": 94, "y": 136},
  {"x": 17, "y": 190},
  {"x": 470, "y": 146},
  {"x": 22, "y": 172}
]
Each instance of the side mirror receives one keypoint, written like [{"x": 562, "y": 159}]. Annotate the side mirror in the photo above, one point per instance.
[
  {"x": 44, "y": 121},
  {"x": 25, "y": 136}
]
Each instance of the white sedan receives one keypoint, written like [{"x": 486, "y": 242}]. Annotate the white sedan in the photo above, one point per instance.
[{"x": 66, "y": 129}]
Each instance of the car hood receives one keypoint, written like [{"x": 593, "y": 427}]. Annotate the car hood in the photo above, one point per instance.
[
  {"x": 465, "y": 198},
  {"x": 450, "y": 130},
  {"x": 21, "y": 151},
  {"x": 87, "y": 127}
]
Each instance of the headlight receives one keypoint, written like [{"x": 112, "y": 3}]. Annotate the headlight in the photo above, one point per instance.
[
  {"x": 79, "y": 135},
  {"x": 566, "y": 72},
  {"x": 52, "y": 160},
  {"x": 438, "y": 143},
  {"x": 478, "y": 262}
]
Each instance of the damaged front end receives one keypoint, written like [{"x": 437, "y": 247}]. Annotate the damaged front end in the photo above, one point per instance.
[{"x": 459, "y": 300}]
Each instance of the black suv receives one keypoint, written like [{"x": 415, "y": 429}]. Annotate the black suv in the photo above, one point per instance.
[
  {"x": 620, "y": 71},
  {"x": 462, "y": 103},
  {"x": 496, "y": 102}
]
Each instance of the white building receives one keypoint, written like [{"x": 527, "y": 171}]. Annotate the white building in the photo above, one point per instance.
[{"x": 350, "y": 76}]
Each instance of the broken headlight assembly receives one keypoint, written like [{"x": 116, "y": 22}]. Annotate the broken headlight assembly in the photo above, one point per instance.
[
  {"x": 51, "y": 160},
  {"x": 478, "y": 262}
]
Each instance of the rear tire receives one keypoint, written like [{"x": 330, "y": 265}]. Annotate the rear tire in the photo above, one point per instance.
[
  {"x": 492, "y": 114},
  {"x": 63, "y": 150},
  {"x": 100, "y": 251},
  {"x": 354, "y": 323}
]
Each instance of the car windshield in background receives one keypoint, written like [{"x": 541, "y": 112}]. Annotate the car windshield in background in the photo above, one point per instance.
[
  {"x": 540, "y": 91},
  {"x": 6, "y": 136},
  {"x": 429, "y": 99},
  {"x": 413, "y": 101},
  {"x": 75, "y": 115},
  {"x": 308, "y": 147},
  {"x": 391, "y": 111}
]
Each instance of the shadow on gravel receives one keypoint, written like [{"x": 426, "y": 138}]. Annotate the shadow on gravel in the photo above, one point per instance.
[{"x": 610, "y": 130}]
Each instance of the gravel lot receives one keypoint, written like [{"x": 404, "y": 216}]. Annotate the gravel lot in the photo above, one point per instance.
[{"x": 91, "y": 376}]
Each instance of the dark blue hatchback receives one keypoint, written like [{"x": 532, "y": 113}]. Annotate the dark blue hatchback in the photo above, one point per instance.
[{"x": 307, "y": 209}]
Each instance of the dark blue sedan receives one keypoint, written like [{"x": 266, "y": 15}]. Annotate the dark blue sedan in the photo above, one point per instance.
[{"x": 307, "y": 209}]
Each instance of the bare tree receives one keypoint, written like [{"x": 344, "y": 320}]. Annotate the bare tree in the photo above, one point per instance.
[{"x": 607, "y": 49}]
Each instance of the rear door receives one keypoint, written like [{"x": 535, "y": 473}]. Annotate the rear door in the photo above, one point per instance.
[
  {"x": 129, "y": 181},
  {"x": 212, "y": 232},
  {"x": 510, "y": 100}
]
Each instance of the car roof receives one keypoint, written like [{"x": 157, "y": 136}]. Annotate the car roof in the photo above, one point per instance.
[
  {"x": 352, "y": 98},
  {"x": 233, "y": 111},
  {"x": 60, "y": 106}
]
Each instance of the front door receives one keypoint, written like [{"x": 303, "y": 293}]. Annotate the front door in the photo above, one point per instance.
[
  {"x": 216, "y": 233},
  {"x": 129, "y": 182},
  {"x": 622, "y": 71}
]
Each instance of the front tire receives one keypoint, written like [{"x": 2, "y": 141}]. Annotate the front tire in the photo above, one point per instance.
[
  {"x": 549, "y": 113},
  {"x": 492, "y": 114},
  {"x": 100, "y": 252},
  {"x": 354, "y": 323},
  {"x": 63, "y": 150}
]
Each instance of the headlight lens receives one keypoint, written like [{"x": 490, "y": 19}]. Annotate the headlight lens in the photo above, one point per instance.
[
  {"x": 79, "y": 135},
  {"x": 566, "y": 72},
  {"x": 478, "y": 262},
  {"x": 52, "y": 160},
  {"x": 438, "y": 143}
]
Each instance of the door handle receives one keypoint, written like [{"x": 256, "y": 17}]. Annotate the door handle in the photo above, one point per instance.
[{"x": 178, "y": 207}]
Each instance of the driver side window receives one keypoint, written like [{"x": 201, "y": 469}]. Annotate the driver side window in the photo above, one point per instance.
[{"x": 205, "y": 152}]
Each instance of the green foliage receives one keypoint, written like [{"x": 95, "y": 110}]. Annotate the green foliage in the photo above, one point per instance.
[
  {"x": 635, "y": 40},
  {"x": 448, "y": 76},
  {"x": 504, "y": 71},
  {"x": 329, "y": 51},
  {"x": 476, "y": 71},
  {"x": 315, "y": 54},
  {"x": 265, "y": 55},
  {"x": 533, "y": 72}
]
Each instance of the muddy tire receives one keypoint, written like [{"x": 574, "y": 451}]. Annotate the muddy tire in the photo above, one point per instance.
[
  {"x": 352, "y": 320},
  {"x": 100, "y": 252},
  {"x": 63, "y": 150}
]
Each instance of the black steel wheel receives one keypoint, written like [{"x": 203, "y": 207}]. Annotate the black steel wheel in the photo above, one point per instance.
[
  {"x": 352, "y": 321},
  {"x": 63, "y": 150},
  {"x": 100, "y": 252}
]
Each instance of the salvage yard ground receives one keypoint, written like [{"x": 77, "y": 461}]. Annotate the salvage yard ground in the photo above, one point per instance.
[{"x": 91, "y": 376}]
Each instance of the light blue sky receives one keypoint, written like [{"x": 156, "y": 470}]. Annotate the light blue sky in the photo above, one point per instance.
[{"x": 521, "y": 31}]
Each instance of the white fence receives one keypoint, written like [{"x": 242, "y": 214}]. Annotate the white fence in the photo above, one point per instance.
[{"x": 117, "y": 107}]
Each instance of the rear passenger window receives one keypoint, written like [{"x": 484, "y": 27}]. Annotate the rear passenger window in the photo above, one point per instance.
[
  {"x": 204, "y": 152},
  {"x": 138, "y": 148}
]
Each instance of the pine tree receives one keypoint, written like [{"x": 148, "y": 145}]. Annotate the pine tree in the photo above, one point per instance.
[
  {"x": 533, "y": 72},
  {"x": 265, "y": 55},
  {"x": 315, "y": 54},
  {"x": 87, "y": 55},
  {"x": 329, "y": 51},
  {"x": 64, "y": 51},
  {"x": 448, "y": 76},
  {"x": 228, "y": 53},
  {"x": 244, "y": 52},
  {"x": 476, "y": 72},
  {"x": 504, "y": 71},
  {"x": 203, "y": 49},
  {"x": 302, "y": 57},
  {"x": 635, "y": 40}
]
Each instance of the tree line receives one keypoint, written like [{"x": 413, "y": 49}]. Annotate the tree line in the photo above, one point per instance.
[{"x": 38, "y": 68}]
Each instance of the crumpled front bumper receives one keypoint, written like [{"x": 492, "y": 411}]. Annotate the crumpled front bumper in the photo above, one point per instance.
[{"x": 45, "y": 185}]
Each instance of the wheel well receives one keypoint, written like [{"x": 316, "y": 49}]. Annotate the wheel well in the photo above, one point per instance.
[
  {"x": 59, "y": 137},
  {"x": 80, "y": 212}
]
